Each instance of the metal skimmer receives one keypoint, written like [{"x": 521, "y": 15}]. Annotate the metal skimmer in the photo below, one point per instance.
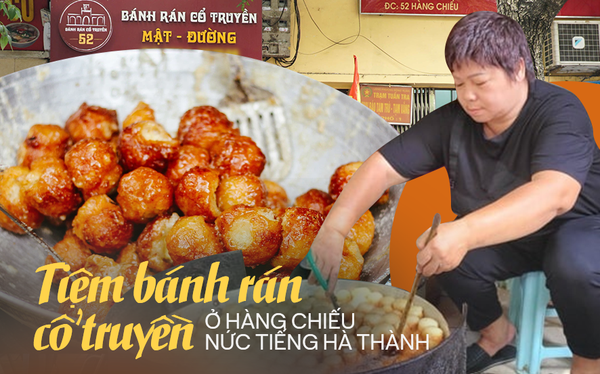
[{"x": 257, "y": 113}]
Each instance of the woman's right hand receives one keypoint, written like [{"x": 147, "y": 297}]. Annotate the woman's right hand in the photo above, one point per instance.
[
  {"x": 365, "y": 187},
  {"x": 327, "y": 251}
]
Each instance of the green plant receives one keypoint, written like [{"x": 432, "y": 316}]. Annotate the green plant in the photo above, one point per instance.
[
  {"x": 244, "y": 3},
  {"x": 12, "y": 13}
]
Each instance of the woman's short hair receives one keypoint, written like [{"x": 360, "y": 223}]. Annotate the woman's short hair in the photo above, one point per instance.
[{"x": 489, "y": 38}]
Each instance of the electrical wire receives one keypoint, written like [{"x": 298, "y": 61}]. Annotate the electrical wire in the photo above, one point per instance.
[
  {"x": 358, "y": 35},
  {"x": 280, "y": 15},
  {"x": 343, "y": 42},
  {"x": 275, "y": 24},
  {"x": 285, "y": 62},
  {"x": 328, "y": 38},
  {"x": 390, "y": 56}
]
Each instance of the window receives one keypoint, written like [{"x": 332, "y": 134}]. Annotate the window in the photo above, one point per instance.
[{"x": 425, "y": 101}]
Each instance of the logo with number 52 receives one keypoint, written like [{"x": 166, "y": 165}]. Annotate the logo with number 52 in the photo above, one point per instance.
[{"x": 85, "y": 25}]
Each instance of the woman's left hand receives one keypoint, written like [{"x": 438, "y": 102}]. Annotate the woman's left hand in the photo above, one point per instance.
[{"x": 445, "y": 250}]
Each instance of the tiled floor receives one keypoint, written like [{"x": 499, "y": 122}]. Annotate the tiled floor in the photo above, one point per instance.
[{"x": 552, "y": 335}]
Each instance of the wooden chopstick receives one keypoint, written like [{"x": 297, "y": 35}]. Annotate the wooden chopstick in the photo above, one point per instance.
[{"x": 436, "y": 222}]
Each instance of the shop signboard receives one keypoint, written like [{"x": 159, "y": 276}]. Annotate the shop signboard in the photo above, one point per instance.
[
  {"x": 27, "y": 34},
  {"x": 580, "y": 8},
  {"x": 426, "y": 7},
  {"x": 87, "y": 26},
  {"x": 572, "y": 8},
  {"x": 393, "y": 103}
]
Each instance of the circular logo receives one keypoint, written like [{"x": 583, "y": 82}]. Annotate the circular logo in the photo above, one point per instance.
[{"x": 85, "y": 25}]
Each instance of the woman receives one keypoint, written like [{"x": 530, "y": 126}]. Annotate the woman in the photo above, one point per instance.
[{"x": 525, "y": 177}]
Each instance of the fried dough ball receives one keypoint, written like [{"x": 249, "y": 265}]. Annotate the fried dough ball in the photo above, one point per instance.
[
  {"x": 412, "y": 322},
  {"x": 280, "y": 274},
  {"x": 299, "y": 228},
  {"x": 363, "y": 230},
  {"x": 352, "y": 261},
  {"x": 342, "y": 175},
  {"x": 144, "y": 194},
  {"x": 13, "y": 199},
  {"x": 88, "y": 309},
  {"x": 114, "y": 143},
  {"x": 435, "y": 336},
  {"x": 43, "y": 140},
  {"x": 146, "y": 144},
  {"x": 141, "y": 112},
  {"x": 92, "y": 122},
  {"x": 384, "y": 198},
  {"x": 254, "y": 231},
  {"x": 192, "y": 238},
  {"x": 94, "y": 167},
  {"x": 196, "y": 194},
  {"x": 71, "y": 250},
  {"x": 151, "y": 244},
  {"x": 49, "y": 188},
  {"x": 129, "y": 255},
  {"x": 399, "y": 305},
  {"x": 276, "y": 196},
  {"x": 237, "y": 155},
  {"x": 203, "y": 125},
  {"x": 427, "y": 322},
  {"x": 102, "y": 266},
  {"x": 314, "y": 199},
  {"x": 246, "y": 190},
  {"x": 416, "y": 310},
  {"x": 101, "y": 225},
  {"x": 186, "y": 158}
]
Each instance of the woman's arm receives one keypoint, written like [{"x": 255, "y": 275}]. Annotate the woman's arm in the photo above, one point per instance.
[
  {"x": 365, "y": 187},
  {"x": 519, "y": 213}
]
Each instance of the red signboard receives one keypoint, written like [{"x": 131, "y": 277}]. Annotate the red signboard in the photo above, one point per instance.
[
  {"x": 393, "y": 103},
  {"x": 580, "y": 8},
  {"x": 424, "y": 7},
  {"x": 572, "y": 8},
  {"x": 28, "y": 33},
  {"x": 85, "y": 26}
]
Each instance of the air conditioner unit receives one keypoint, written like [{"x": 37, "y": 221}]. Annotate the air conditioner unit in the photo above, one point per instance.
[{"x": 575, "y": 47}]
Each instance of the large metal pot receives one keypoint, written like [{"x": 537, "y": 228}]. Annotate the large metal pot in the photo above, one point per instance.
[{"x": 327, "y": 129}]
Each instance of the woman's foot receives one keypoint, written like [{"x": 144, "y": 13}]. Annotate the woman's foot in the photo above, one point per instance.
[
  {"x": 478, "y": 361},
  {"x": 497, "y": 335}
]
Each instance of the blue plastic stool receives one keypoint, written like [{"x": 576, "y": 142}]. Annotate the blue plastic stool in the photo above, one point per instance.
[{"x": 528, "y": 310}]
